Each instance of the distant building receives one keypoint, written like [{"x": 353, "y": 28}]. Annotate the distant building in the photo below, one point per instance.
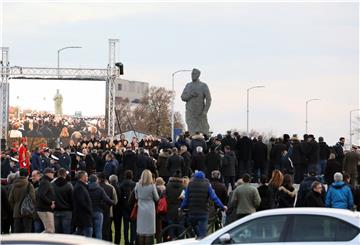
[{"x": 131, "y": 91}]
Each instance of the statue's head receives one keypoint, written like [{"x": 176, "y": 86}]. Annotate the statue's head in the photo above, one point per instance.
[
  {"x": 57, "y": 91},
  {"x": 195, "y": 74}
]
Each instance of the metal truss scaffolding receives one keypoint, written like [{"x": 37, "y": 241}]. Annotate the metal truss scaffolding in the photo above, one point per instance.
[{"x": 17, "y": 72}]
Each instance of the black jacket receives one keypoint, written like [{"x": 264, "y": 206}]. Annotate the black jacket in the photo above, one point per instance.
[
  {"x": 259, "y": 153},
  {"x": 130, "y": 161},
  {"x": 126, "y": 188},
  {"x": 45, "y": 195},
  {"x": 244, "y": 148},
  {"x": 297, "y": 156},
  {"x": 198, "y": 140},
  {"x": 175, "y": 162},
  {"x": 187, "y": 161},
  {"x": 117, "y": 207},
  {"x": 144, "y": 162},
  {"x": 229, "y": 164},
  {"x": 98, "y": 197},
  {"x": 63, "y": 194},
  {"x": 220, "y": 190},
  {"x": 304, "y": 189},
  {"x": 332, "y": 167},
  {"x": 266, "y": 197},
  {"x": 198, "y": 196},
  {"x": 6, "y": 210},
  {"x": 313, "y": 155},
  {"x": 82, "y": 212},
  {"x": 161, "y": 164},
  {"x": 276, "y": 153},
  {"x": 339, "y": 151},
  {"x": 324, "y": 151},
  {"x": 285, "y": 200},
  {"x": 314, "y": 199},
  {"x": 230, "y": 141},
  {"x": 198, "y": 162},
  {"x": 212, "y": 162},
  {"x": 173, "y": 190}
]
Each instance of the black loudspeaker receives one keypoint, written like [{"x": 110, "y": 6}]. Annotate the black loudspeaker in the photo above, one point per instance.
[
  {"x": 121, "y": 67},
  {"x": 3, "y": 144}
]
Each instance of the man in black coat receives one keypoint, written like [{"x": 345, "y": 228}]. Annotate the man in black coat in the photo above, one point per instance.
[
  {"x": 212, "y": 161},
  {"x": 175, "y": 162},
  {"x": 63, "y": 203},
  {"x": 324, "y": 153},
  {"x": 314, "y": 198},
  {"x": 229, "y": 164},
  {"x": 339, "y": 150},
  {"x": 82, "y": 212},
  {"x": 259, "y": 156},
  {"x": 198, "y": 140},
  {"x": 198, "y": 160},
  {"x": 313, "y": 154},
  {"x": 276, "y": 155},
  {"x": 298, "y": 159},
  {"x": 187, "y": 160},
  {"x": 219, "y": 187},
  {"x": 228, "y": 140},
  {"x": 130, "y": 160},
  {"x": 305, "y": 188},
  {"x": 45, "y": 201},
  {"x": 244, "y": 148},
  {"x": 144, "y": 161}
]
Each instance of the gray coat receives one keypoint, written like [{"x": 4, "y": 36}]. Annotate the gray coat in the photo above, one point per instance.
[{"x": 146, "y": 217}]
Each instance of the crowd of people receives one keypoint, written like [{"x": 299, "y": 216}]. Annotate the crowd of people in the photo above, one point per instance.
[
  {"x": 37, "y": 124},
  {"x": 143, "y": 186}
]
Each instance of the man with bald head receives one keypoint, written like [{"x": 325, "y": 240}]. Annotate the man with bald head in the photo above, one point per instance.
[{"x": 197, "y": 96}]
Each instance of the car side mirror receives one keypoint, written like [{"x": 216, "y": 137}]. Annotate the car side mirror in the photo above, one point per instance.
[{"x": 225, "y": 238}]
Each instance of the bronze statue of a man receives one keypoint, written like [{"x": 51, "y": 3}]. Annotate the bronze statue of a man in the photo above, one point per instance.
[{"x": 197, "y": 96}]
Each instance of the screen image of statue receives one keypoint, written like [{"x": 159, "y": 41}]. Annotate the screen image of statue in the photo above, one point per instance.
[
  {"x": 197, "y": 96},
  {"x": 58, "y": 112}
]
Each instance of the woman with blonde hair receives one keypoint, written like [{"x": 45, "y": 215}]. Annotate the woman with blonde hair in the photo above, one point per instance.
[
  {"x": 146, "y": 196},
  {"x": 275, "y": 182}
]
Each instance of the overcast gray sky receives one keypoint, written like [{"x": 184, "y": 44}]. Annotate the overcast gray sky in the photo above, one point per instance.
[{"x": 297, "y": 50}]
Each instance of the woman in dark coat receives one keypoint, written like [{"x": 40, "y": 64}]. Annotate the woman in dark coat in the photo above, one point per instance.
[
  {"x": 332, "y": 167},
  {"x": 265, "y": 194},
  {"x": 314, "y": 198},
  {"x": 173, "y": 191},
  {"x": 287, "y": 193}
]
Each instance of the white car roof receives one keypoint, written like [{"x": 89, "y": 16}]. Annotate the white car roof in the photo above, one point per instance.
[{"x": 352, "y": 217}]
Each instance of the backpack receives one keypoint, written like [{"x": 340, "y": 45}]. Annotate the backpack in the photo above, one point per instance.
[
  {"x": 27, "y": 207},
  {"x": 125, "y": 196}
]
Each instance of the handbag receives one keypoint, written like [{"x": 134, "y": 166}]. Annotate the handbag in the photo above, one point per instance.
[
  {"x": 27, "y": 207},
  {"x": 162, "y": 205},
  {"x": 134, "y": 212}
]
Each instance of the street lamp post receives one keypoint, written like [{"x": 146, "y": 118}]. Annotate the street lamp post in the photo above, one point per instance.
[
  {"x": 306, "y": 121},
  {"x": 351, "y": 125},
  {"x": 247, "y": 106},
  {"x": 58, "y": 57},
  {"x": 173, "y": 101}
]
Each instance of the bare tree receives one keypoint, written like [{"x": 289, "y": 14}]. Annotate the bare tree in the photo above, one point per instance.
[{"x": 152, "y": 115}]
